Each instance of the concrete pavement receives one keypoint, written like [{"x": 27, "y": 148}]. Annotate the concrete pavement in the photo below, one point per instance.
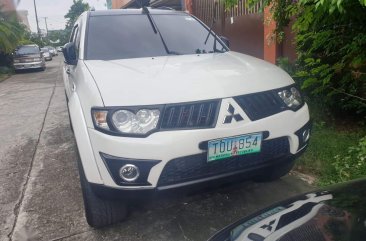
[{"x": 40, "y": 197}]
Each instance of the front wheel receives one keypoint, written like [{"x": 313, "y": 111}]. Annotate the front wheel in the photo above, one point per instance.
[
  {"x": 100, "y": 212},
  {"x": 275, "y": 172}
]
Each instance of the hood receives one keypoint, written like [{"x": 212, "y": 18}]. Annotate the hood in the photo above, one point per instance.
[{"x": 185, "y": 78}]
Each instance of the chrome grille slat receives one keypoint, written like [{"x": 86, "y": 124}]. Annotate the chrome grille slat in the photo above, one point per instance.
[{"x": 190, "y": 115}]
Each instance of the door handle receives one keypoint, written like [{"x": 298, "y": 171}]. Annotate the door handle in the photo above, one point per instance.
[{"x": 73, "y": 88}]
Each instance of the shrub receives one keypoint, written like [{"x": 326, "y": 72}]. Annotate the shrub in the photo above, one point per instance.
[{"x": 351, "y": 165}]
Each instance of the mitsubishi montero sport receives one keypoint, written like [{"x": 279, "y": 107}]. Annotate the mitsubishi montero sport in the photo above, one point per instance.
[{"x": 157, "y": 101}]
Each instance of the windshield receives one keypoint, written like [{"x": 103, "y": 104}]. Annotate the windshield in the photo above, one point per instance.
[
  {"x": 134, "y": 37},
  {"x": 27, "y": 50}
]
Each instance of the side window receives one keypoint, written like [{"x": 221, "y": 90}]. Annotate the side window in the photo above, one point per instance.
[
  {"x": 76, "y": 33},
  {"x": 76, "y": 39},
  {"x": 74, "y": 30}
]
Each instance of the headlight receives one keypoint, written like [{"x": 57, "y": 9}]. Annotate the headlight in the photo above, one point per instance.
[
  {"x": 16, "y": 61},
  {"x": 291, "y": 97},
  {"x": 140, "y": 123},
  {"x": 137, "y": 122}
]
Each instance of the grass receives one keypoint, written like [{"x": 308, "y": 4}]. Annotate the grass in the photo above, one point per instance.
[
  {"x": 3, "y": 76},
  {"x": 330, "y": 137}
]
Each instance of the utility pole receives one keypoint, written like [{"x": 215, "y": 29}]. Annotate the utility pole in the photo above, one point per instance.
[
  {"x": 35, "y": 11},
  {"x": 45, "y": 21}
]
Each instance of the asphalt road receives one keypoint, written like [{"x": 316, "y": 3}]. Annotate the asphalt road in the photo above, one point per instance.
[{"x": 40, "y": 197}]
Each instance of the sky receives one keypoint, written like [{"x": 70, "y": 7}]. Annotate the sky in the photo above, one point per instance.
[{"x": 53, "y": 10}]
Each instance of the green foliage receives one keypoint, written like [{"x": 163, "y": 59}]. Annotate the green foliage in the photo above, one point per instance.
[
  {"x": 350, "y": 165},
  {"x": 57, "y": 35},
  {"x": 286, "y": 65},
  {"x": 330, "y": 139},
  {"x": 5, "y": 70},
  {"x": 75, "y": 10},
  {"x": 11, "y": 32},
  {"x": 331, "y": 42}
]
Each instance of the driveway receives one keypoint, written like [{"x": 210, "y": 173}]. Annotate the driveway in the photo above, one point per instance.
[{"x": 40, "y": 197}]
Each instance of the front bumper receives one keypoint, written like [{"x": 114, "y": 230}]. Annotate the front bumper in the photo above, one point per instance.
[
  {"x": 183, "y": 148},
  {"x": 189, "y": 186},
  {"x": 30, "y": 65}
]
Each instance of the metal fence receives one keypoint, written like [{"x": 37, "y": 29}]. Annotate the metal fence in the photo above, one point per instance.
[{"x": 204, "y": 9}]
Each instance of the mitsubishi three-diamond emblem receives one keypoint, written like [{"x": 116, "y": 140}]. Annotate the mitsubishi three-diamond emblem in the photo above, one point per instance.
[{"x": 229, "y": 118}]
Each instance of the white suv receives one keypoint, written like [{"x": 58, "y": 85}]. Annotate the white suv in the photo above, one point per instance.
[{"x": 158, "y": 102}]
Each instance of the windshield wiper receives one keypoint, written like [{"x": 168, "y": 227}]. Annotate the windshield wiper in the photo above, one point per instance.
[
  {"x": 147, "y": 12},
  {"x": 215, "y": 37},
  {"x": 210, "y": 32},
  {"x": 155, "y": 28}
]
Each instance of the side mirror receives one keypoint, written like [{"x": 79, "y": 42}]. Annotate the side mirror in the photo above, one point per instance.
[
  {"x": 225, "y": 40},
  {"x": 69, "y": 52}
]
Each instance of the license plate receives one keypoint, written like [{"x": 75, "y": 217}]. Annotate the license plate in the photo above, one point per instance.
[{"x": 234, "y": 146}]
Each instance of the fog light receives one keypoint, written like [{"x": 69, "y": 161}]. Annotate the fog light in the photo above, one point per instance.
[
  {"x": 306, "y": 135},
  {"x": 129, "y": 172}
]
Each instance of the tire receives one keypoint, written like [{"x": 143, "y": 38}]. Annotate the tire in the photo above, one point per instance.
[
  {"x": 275, "y": 172},
  {"x": 100, "y": 212}
]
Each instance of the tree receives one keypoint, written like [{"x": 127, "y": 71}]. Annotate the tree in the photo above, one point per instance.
[
  {"x": 11, "y": 32},
  {"x": 75, "y": 10},
  {"x": 57, "y": 37}
]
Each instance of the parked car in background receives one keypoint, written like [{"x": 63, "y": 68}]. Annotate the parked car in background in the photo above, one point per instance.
[
  {"x": 28, "y": 57},
  {"x": 165, "y": 104},
  {"x": 46, "y": 53},
  {"x": 337, "y": 213},
  {"x": 52, "y": 50},
  {"x": 59, "y": 48}
]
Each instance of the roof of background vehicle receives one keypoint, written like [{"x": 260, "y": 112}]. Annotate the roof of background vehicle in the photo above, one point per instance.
[{"x": 133, "y": 11}]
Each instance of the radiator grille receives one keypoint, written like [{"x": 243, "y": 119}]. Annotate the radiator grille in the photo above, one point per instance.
[
  {"x": 196, "y": 167},
  {"x": 261, "y": 105},
  {"x": 192, "y": 115}
]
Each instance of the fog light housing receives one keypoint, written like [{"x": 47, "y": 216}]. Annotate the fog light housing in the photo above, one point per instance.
[
  {"x": 129, "y": 172},
  {"x": 305, "y": 135}
]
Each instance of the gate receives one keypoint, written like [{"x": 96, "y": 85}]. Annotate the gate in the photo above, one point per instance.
[{"x": 245, "y": 32}]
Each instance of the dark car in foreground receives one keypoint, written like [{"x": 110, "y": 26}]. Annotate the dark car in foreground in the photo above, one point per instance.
[
  {"x": 338, "y": 213},
  {"x": 28, "y": 57}
]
